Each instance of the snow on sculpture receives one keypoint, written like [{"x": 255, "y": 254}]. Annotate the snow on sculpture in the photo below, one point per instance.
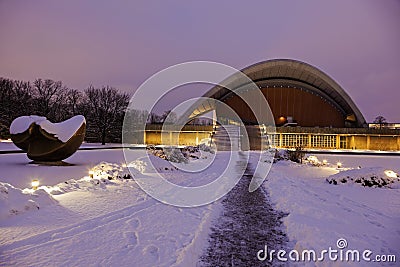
[{"x": 45, "y": 141}]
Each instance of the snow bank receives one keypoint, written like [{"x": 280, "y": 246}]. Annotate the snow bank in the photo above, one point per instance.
[
  {"x": 14, "y": 201},
  {"x": 370, "y": 177},
  {"x": 62, "y": 130},
  {"x": 320, "y": 214}
]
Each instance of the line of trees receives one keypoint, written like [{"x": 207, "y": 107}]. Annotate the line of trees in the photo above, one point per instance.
[{"x": 103, "y": 108}]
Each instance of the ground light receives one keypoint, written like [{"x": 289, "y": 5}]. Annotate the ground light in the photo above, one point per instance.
[
  {"x": 339, "y": 164},
  {"x": 91, "y": 174},
  {"x": 35, "y": 184},
  {"x": 324, "y": 162},
  {"x": 391, "y": 174}
]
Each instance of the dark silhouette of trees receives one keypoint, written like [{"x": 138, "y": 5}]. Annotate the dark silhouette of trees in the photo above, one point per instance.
[
  {"x": 51, "y": 99},
  {"x": 134, "y": 123},
  {"x": 169, "y": 117},
  {"x": 105, "y": 108},
  {"x": 154, "y": 118},
  {"x": 74, "y": 102},
  {"x": 380, "y": 120},
  {"x": 166, "y": 117},
  {"x": 15, "y": 100}
]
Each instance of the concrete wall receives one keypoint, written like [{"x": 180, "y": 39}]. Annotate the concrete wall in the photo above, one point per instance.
[
  {"x": 358, "y": 142},
  {"x": 384, "y": 143}
]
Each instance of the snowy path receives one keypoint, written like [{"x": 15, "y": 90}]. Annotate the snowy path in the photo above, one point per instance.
[{"x": 248, "y": 223}]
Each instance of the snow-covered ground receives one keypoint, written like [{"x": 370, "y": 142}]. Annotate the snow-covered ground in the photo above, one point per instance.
[
  {"x": 103, "y": 222},
  {"x": 97, "y": 221},
  {"x": 321, "y": 213}
]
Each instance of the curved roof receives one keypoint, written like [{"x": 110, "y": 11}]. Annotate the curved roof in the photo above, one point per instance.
[{"x": 292, "y": 73}]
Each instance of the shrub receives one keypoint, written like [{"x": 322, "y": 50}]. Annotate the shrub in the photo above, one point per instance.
[{"x": 296, "y": 155}]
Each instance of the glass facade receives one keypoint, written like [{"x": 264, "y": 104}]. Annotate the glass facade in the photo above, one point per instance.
[{"x": 291, "y": 140}]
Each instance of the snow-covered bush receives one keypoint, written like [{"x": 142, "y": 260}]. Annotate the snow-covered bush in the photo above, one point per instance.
[
  {"x": 281, "y": 154},
  {"x": 180, "y": 155},
  {"x": 368, "y": 177},
  {"x": 158, "y": 152},
  {"x": 314, "y": 161},
  {"x": 191, "y": 152},
  {"x": 99, "y": 177},
  {"x": 297, "y": 154},
  {"x": 205, "y": 148},
  {"x": 175, "y": 155}
]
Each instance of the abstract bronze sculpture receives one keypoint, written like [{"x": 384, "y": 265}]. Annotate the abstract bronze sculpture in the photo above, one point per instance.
[{"x": 45, "y": 141}]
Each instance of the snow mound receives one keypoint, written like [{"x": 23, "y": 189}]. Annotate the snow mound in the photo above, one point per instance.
[
  {"x": 270, "y": 155},
  {"x": 181, "y": 155},
  {"x": 62, "y": 130},
  {"x": 98, "y": 178},
  {"x": 15, "y": 201},
  {"x": 152, "y": 164},
  {"x": 313, "y": 160},
  {"x": 369, "y": 177}
]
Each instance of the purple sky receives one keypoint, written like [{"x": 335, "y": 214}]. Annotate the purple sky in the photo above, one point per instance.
[{"x": 122, "y": 43}]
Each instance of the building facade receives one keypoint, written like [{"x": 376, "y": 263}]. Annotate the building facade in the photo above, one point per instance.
[{"x": 319, "y": 112}]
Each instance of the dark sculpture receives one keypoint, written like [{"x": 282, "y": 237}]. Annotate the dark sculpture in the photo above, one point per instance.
[{"x": 45, "y": 141}]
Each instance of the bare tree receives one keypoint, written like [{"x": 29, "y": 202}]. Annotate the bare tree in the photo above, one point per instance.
[
  {"x": 134, "y": 123},
  {"x": 380, "y": 120},
  {"x": 6, "y": 100},
  {"x": 154, "y": 118},
  {"x": 23, "y": 97},
  {"x": 105, "y": 107},
  {"x": 168, "y": 117},
  {"x": 15, "y": 100},
  {"x": 136, "y": 117},
  {"x": 73, "y": 99},
  {"x": 49, "y": 98}
]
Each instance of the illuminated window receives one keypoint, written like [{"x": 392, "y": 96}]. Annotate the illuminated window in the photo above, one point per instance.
[
  {"x": 294, "y": 140},
  {"x": 323, "y": 141}
]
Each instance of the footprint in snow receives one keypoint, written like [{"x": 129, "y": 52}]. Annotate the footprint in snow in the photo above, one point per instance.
[
  {"x": 132, "y": 238},
  {"x": 376, "y": 224},
  {"x": 134, "y": 223},
  {"x": 151, "y": 252}
]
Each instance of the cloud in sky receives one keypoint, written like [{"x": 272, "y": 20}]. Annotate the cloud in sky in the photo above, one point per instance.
[{"x": 122, "y": 43}]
